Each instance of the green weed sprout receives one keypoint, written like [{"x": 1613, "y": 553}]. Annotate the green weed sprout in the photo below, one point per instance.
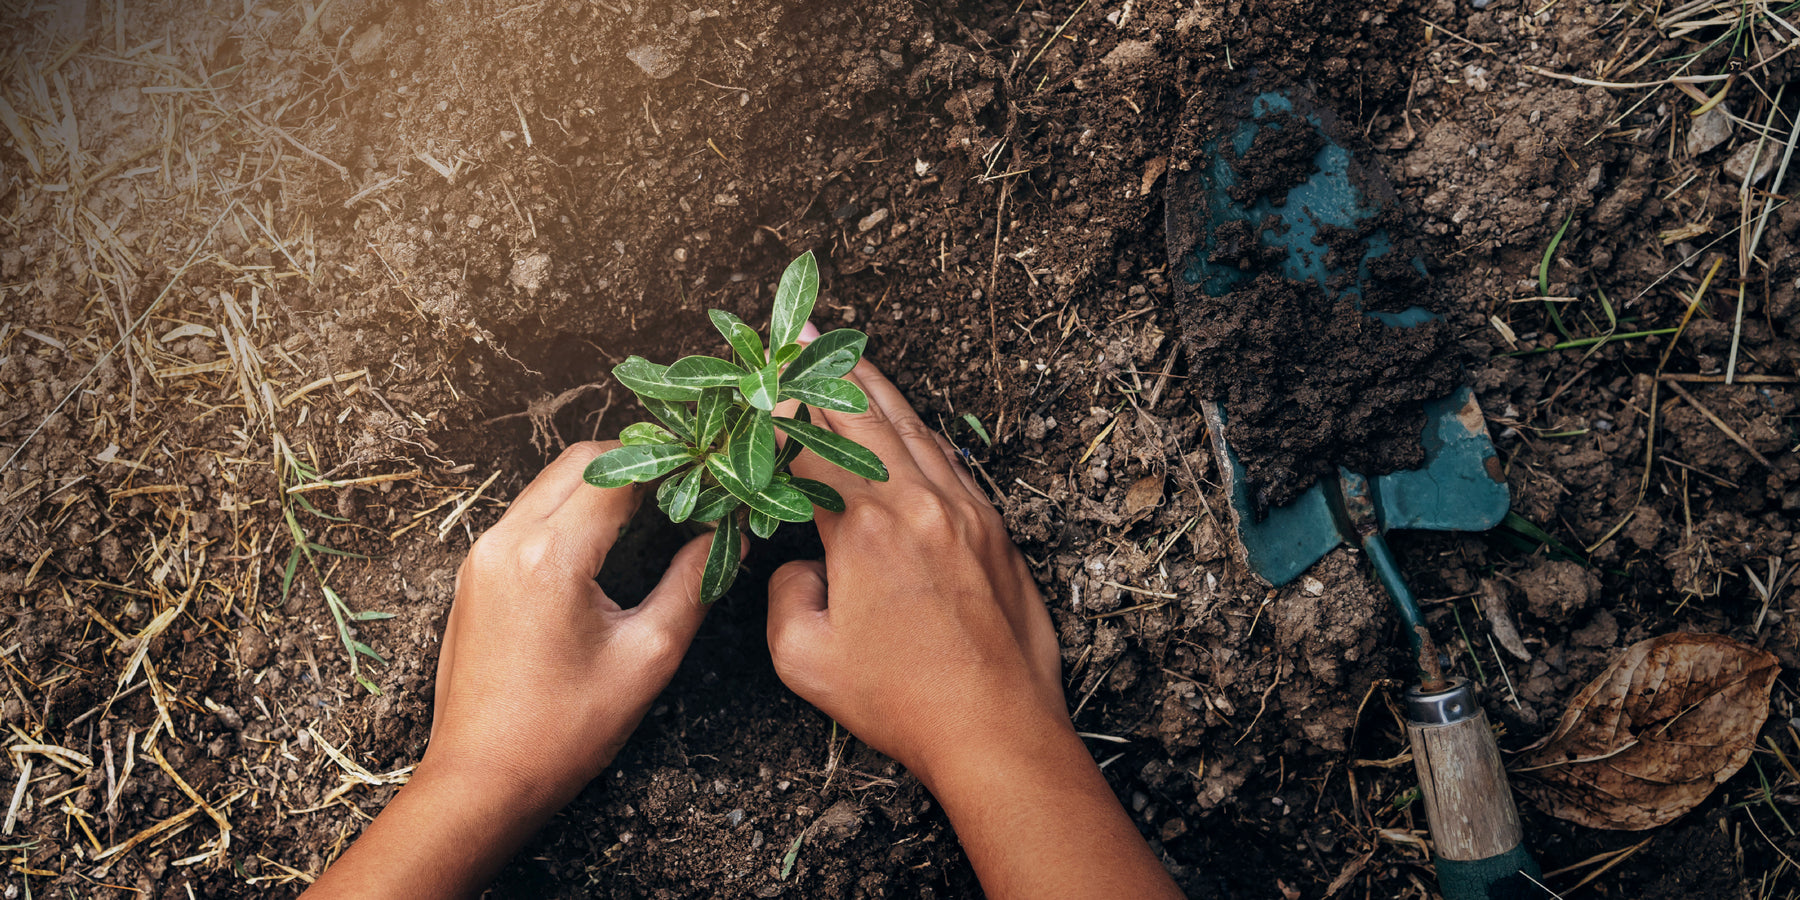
[{"x": 715, "y": 449}]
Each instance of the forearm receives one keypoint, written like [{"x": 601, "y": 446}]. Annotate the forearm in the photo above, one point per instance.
[
  {"x": 444, "y": 835},
  {"x": 1038, "y": 820}
]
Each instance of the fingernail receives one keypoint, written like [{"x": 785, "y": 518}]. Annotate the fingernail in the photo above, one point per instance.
[{"x": 809, "y": 332}]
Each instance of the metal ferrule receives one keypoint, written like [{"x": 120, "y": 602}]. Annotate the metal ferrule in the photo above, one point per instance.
[{"x": 1454, "y": 704}]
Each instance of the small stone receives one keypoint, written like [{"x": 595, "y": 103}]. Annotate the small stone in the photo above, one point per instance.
[
  {"x": 655, "y": 61},
  {"x": 1739, "y": 163},
  {"x": 1709, "y": 131},
  {"x": 872, "y": 219},
  {"x": 253, "y": 647},
  {"x": 1173, "y": 829},
  {"x": 756, "y": 840},
  {"x": 735, "y": 817},
  {"x": 367, "y": 46},
  {"x": 530, "y": 272}
]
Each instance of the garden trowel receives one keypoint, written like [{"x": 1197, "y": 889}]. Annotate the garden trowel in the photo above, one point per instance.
[{"x": 1478, "y": 842}]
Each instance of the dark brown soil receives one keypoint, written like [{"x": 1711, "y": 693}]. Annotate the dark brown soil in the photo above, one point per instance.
[
  {"x": 1348, "y": 393},
  {"x": 486, "y": 204}
]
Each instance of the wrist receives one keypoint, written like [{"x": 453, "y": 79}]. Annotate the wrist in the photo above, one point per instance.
[{"x": 1026, "y": 750}]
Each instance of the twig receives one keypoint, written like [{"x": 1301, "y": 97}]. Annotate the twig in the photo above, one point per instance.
[{"x": 1720, "y": 424}]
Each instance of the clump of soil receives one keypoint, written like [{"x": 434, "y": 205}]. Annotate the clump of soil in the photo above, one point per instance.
[
  {"x": 1279, "y": 159},
  {"x": 1309, "y": 382}
]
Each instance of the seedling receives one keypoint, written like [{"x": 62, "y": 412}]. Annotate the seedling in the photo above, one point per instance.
[{"x": 715, "y": 449}]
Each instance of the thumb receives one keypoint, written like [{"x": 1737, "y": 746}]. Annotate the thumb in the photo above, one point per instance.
[
  {"x": 796, "y": 608},
  {"x": 674, "y": 604}
]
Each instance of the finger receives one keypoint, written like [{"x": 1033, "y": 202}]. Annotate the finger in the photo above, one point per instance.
[
  {"x": 590, "y": 522},
  {"x": 885, "y": 403},
  {"x": 796, "y": 612},
  {"x": 962, "y": 471},
  {"x": 556, "y": 482},
  {"x": 674, "y": 606}
]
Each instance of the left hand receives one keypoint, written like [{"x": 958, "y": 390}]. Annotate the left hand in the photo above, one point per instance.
[{"x": 542, "y": 677}]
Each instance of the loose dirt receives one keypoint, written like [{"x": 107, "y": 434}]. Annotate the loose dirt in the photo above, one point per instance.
[{"x": 455, "y": 214}]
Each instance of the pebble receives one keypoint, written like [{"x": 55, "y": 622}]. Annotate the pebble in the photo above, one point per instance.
[
  {"x": 1739, "y": 163},
  {"x": 655, "y": 61},
  {"x": 756, "y": 840},
  {"x": 872, "y": 219},
  {"x": 1709, "y": 131}
]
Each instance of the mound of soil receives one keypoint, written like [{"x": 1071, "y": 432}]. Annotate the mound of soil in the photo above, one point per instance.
[{"x": 396, "y": 246}]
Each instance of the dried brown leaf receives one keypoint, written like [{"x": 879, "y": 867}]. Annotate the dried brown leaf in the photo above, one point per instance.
[
  {"x": 1671, "y": 719},
  {"x": 1143, "y": 495}
]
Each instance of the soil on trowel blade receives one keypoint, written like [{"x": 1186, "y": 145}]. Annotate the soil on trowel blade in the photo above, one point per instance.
[
  {"x": 1280, "y": 158},
  {"x": 1308, "y": 382}
]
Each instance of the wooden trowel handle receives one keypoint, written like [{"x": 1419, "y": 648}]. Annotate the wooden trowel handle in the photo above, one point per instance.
[{"x": 1478, "y": 845}]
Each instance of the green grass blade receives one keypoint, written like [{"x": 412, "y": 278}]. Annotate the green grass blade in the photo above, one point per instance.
[
  {"x": 839, "y": 451},
  {"x": 1544, "y": 276},
  {"x": 980, "y": 432}
]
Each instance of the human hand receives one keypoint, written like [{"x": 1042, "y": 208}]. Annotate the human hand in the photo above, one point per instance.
[
  {"x": 542, "y": 677},
  {"x": 922, "y": 631}
]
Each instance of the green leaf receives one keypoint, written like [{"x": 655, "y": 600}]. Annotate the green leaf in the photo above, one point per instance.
[
  {"x": 647, "y": 379},
  {"x": 840, "y": 451},
  {"x": 301, "y": 499},
  {"x": 832, "y": 355},
  {"x": 762, "y": 526},
  {"x": 370, "y": 615},
  {"x": 742, "y": 338},
  {"x": 759, "y": 387},
  {"x": 715, "y": 503},
  {"x": 794, "y": 300},
  {"x": 782, "y": 501},
  {"x": 665, "y": 494},
  {"x": 710, "y": 415},
  {"x": 721, "y": 560},
  {"x": 622, "y": 466},
  {"x": 704, "y": 372},
  {"x": 686, "y": 493},
  {"x": 368, "y": 685},
  {"x": 791, "y": 449},
  {"x": 672, "y": 414},
  {"x": 826, "y": 393},
  {"x": 786, "y": 354},
  {"x": 752, "y": 449},
  {"x": 821, "y": 494},
  {"x": 646, "y": 433}
]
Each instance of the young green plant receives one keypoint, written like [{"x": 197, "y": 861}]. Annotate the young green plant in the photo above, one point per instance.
[{"x": 715, "y": 449}]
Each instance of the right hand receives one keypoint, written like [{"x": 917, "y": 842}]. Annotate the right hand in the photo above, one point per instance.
[{"x": 922, "y": 632}]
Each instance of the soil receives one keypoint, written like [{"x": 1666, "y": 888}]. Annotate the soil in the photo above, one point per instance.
[{"x": 399, "y": 245}]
